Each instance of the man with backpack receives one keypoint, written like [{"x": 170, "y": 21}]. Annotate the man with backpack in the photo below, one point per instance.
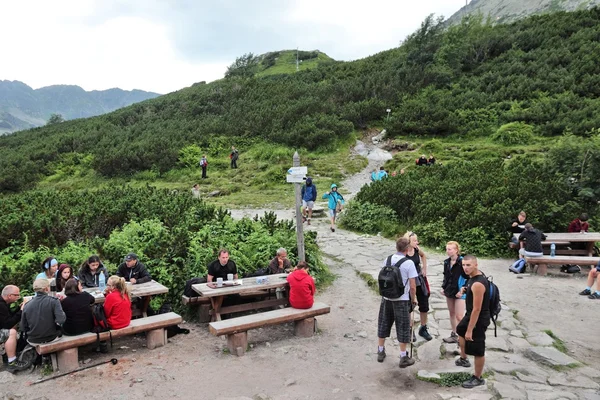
[
  {"x": 398, "y": 289},
  {"x": 471, "y": 329},
  {"x": 309, "y": 195},
  {"x": 203, "y": 165}
]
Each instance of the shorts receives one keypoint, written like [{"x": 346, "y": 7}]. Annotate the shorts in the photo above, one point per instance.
[
  {"x": 332, "y": 213},
  {"x": 308, "y": 204},
  {"x": 4, "y": 335},
  {"x": 422, "y": 300},
  {"x": 397, "y": 312},
  {"x": 476, "y": 347}
]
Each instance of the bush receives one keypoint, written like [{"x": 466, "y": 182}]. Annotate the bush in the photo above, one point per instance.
[
  {"x": 513, "y": 133},
  {"x": 369, "y": 218}
]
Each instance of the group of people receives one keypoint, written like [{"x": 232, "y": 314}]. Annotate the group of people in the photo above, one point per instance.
[
  {"x": 234, "y": 155},
  {"x": 425, "y": 161},
  {"x": 466, "y": 290},
  {"x": 335, "y": 201}
]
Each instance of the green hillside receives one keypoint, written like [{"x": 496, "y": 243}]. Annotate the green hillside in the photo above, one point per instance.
[{"x": 284, "y": 62}]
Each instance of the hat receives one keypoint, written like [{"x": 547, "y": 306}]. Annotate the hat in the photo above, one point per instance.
[
  {"x": 308, "y": 180},
  {"x": 131, "y": 256},
  {"x": 40, "y": 284},
  {"x": 333, "y": 185}
]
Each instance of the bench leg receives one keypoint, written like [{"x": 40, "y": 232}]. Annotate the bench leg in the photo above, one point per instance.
[
  {"x": 541, "y": 269},
  {"x": 204, "y": 313},
  {"x": 68, "y": 360},
  {"x": 304, "y": 327},
  {"x": 54, "y": 362},
  {"x": 237, "y": 343},
  {"x": 155, "y": 338}
]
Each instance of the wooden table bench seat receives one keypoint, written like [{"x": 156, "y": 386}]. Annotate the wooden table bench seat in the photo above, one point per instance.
[
  {"x": 543, "y": 262},
  {"x": 204, "y": 305},
  {"x": 65, "y": 350},
  {"x": 236, "y": 328}
]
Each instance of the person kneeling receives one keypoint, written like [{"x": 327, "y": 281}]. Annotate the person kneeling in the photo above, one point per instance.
[{"x": 302, "y": 287}]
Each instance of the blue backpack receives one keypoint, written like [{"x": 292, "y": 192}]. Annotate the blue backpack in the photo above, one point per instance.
[{"x": 518, "y": 267}]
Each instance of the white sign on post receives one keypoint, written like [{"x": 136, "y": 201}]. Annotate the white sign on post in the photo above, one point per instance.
[{"x": 296, "y": 174}]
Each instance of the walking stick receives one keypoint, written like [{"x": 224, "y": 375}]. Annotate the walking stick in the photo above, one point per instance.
[
  {"x": 113, "y": 361},
  {"x": 412, "y": 330}
]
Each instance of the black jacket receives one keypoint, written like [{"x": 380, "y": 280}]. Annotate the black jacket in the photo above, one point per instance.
[
  {"x": 40, "y": 318},
  {"x": 452, "y": 274},
  {"x": 138, "y": 272},
  {"x": 88, "y": 279},
  {"x": 8, "y": 319},
  {"x": 79, "y": 313},
  {"x": 533, "y": 240}
]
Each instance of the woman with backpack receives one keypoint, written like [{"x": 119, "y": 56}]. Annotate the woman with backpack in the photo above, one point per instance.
[
  {"x": 117, "y": 306},
  {"x": 418, "y": 257},
  {"x": 335, "y": 203},
  {"x": 76, "y": 306},
  {"x": 454, "y": 280}
]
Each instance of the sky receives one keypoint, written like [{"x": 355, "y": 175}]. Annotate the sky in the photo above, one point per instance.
[{"x": 166, "y": 45}]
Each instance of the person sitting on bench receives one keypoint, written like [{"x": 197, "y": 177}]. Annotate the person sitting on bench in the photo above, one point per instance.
[
  {"x": 594, "y": 274},
  {"x": 517, "y": 226},
  {"x": 302, "y": 287},
  {"x": 43, "y": 315},
  {"x": 533, "y": 242}
]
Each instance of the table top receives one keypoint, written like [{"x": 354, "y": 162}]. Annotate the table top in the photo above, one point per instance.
[
  {"x": 571, "y": 237},
  {"x": 248, "y": 285},
  {"x": 139, "y": 290}
]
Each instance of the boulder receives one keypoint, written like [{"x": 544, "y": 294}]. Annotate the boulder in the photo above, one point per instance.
[
  {"x": 540, "y": 339},
  {"x": 550, "y": 356}
]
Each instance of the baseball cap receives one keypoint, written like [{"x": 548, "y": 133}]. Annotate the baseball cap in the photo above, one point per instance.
[{"x": 131, "y": 256}]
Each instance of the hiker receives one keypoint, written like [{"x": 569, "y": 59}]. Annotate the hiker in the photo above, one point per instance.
[
  {"x": 76, "y": 306},
  {"x": 234, "y": 155},
  {"x": 203, "y": 165},
  {"x": 117, "y": 306},
  {"x": 309, "y": 195},
  {"x": 8, "y": 338},
  {"x": 89, "y": 273},
  {"x": 65, "y": 272},
  {"x": 382, "y": 174},
  {"x": 420, "y": 260},
  {"x": 579, "y": 225},
  {"x": 431, "y": 160},
  {"x": 471, "y": 329},
  {"x": 196, "y": 191},
  {"x": 374, "y": 175},
  {"x": 133, "y": 270},
  {"x": 532, "y": 239},
  {"x": 517, "y": 226},
  {"x": 8, "y": 318},
  {"x": 302, "y": 287},
  {"x": 454, "y": 278},
  {"x": 594, "y": 274},
  {"x": 49, "y": 267},
  {"x": 398, "y": 310},
  {"x": 422, "y": 160},
  {"x": 280, "y": 263},
  {"x": 221, "y": 267},
  {"x": 42, "y": 316},
  {"x": 336, "y": 201}
]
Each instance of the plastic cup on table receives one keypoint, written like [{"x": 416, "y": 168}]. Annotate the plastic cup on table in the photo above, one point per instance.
[
  {"x": 219, "y": 282},
  {"x": 229, "y": 277}
]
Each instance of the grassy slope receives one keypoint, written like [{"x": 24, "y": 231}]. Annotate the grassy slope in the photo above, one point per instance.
[{"x": 286, "y": 63}]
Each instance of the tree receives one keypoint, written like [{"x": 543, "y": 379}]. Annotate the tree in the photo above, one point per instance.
[
  {"x": 244, "y": 66},
  {"x": 55, "y": 119}
]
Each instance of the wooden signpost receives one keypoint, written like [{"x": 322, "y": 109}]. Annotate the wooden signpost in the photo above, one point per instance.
[{"x": 297, "y": 175}]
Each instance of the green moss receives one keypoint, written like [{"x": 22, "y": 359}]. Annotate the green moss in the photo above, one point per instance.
[
  {"x": 371, "y": 282},
  {"x": 558, "y": 344}
]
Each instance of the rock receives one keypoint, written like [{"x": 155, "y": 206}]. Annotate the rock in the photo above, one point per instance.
[
  {"x": 336, "y": 390},
  {"x": 496, "y": 343},
  {"x": 506, "y": 368},
  {"x": 508, "y": 324},
  {"x": 451, "y": 348},
  {"x": 426, "y": 375},
  {"x": 445, "y": 396},
  {"x": 87, "y": 360},
  {"x": 362, "y": 334},
  {"x": 214, "y": 193},
  {"x": 123, "y": 347},
  {"x": 6, "y": 377},
  {"x": 550, "y": 356},
  {"x": 518, "y": 343},
  {"x": 439, "y": 306},
  {"x": 429, "y": 351},
  {"x": 589, "y": 372},
  {"x": 349, "y": 335},
  {"x": 574, "y": 381},
  {"x": 540, "y": 339},
  {"x": 508, "y": 391},
  {"x": 553, "y": 395},
  {"x": 516, "y": 333},
  {"x": 444, "y": 324},
  {"x": 531, "y": 378},
  {"x": 290, "y": 382}
]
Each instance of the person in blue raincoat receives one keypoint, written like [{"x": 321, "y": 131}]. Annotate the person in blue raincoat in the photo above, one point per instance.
[{"x": 336, "y": 201}]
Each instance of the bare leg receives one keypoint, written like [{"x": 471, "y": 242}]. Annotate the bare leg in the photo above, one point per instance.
[
  {"x": 332, "y": 222},
  {"x": 423, "y": 316},
  {"x": 459, "y": 310},
  {"x": 309, "y": 213},
  {"x": 593, "y": 274},
  {"x": 461, "y": 344},
  {"x": 479, "y": 364},
  {"x": 402, "y": 346},
  {"x": 11, "y": 344},
  {"x": 381, "y": 341},
  {"x": 451, "y": 310}
]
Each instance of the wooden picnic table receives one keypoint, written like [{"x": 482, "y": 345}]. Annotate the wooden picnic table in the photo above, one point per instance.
[
  {"x": 248, "y": 285},
  {"x": 590, "y": 238},
  {"x": 144, "y": 290}
]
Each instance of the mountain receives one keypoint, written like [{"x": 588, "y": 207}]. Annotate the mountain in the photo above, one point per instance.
[
  {"x": 22, "y": 107},
  {"x": 512, "y": 10}
]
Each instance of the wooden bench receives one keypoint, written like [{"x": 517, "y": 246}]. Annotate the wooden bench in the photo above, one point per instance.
[
  {"x": 544, "y": 261},
  {"x": 65, "y": 350},
  {"x": 236, "y": 328},
  {"x": 205, "y": 310}
]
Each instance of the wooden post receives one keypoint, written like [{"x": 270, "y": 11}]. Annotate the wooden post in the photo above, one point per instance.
[
  {"x": 304, "y": 327},
  {"x": 67, "y": 360},
  {"x": 299, "y": 223},
  {"x": 155, "y": 338},
  {"x": 237, "y": 343}
]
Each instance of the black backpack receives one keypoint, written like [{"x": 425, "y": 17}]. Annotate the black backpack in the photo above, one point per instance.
[
  {"x": 495, "y": 306},
  {"x": 100, "y": 323},
  {"x": 390, "y": 279},
  {"x": 188, "y": 291}
]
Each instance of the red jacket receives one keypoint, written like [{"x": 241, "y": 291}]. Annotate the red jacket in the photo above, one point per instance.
[
  {"x": 578, "y": 225},
  {"x": 117, "y": 310},
  {"x": 302, "y": 289}
]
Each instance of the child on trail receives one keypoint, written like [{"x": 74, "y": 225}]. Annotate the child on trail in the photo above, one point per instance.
[{"x": 336, "y": 201}]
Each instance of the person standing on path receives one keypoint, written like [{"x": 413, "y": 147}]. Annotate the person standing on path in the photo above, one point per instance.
[
  {"x": 234, "y": 155},
  {"x": 451, "y": 287},
  {"x": 398, "y": 310},
  {"x": 335, "y": 203},
  {"x": 203, "y": 165},
  {"x": 418, "y": 257},
  {"x": 471, "y": 329},
  {"x": 309, "y": 195}
]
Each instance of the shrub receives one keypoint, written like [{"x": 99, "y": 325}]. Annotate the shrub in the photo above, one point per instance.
[
  {"x": 514, "y": 133},
  {"x": 369, "y": 218}
]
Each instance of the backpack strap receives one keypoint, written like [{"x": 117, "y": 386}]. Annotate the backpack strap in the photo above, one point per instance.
[{"x": 397, "y": 265}]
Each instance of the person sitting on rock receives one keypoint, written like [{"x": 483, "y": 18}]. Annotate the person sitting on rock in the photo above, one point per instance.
[
  {"x": 422, "y": 160},
  {"x": 302, "y": 287},
  {"x": 532, "y": 239}
]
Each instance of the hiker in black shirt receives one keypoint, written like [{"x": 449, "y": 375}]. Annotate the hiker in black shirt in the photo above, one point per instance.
[
  {"x": 471, "y": 329},
  {"x": 517, "y": 226},
  {"x": 9, "y": 319},
  {"x": 533, "y": 242}
]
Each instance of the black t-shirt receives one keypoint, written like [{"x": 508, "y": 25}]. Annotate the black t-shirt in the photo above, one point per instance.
[
  {"x": 533, "y": 240},
  {"x": 220, "y": 271},
  {"x": 484, "y": 315},
  {"x": 416, "y": 259},
  {"x": 8, "y": 319},
  {"x": 520, "y": 227},
  {"x": 79, "y": 313}
]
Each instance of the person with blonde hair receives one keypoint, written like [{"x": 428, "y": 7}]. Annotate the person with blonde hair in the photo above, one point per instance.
[
  {"x": 418, "y": 257},
  {"x": 452, "y": 287},
  {"x": 117, "y": 306}
]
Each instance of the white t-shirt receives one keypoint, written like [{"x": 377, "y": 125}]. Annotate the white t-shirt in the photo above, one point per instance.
[{"x": 407, "y": 271}]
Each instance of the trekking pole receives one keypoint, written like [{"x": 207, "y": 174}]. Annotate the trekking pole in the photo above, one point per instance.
[
  {"x": 113, "y": 361},
  {"x": 412, "y": 331}
]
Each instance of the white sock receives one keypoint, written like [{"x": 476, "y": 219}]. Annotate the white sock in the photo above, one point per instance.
[
  {"x": 380, "y": 348},
  {"x": 403, "y": 353},
  {"x": 11, "y": 359}
]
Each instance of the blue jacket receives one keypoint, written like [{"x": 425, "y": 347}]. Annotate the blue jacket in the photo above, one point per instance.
[
  {"x": 333, "y": 197},
  {"x": 309, "y": 192},
  {"x": 378, "y": 175}
]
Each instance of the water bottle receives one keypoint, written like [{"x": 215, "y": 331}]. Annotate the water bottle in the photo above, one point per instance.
[
  {"x": 552, "y": 250},
  {"x": 101, "y": 282}
]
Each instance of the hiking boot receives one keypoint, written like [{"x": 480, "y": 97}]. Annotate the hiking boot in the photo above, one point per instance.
[
  {"x": 585, "y": 292},
  {"x": 380, "y": 355},
  {"x": 303, "y": 219},
  {"x": 16, "y": 365},
  {"x": 332, "y": 229},
  {"x": 452, "y": 339},
  {"x": 424, "y": 333},
  {"x": 473, "y": 382},
  {"x": 594, "y": 296},
  {"x": 462, "y": 362},
  {"x": 406, "y": 361},
  {"x": 308, "y": 221}
]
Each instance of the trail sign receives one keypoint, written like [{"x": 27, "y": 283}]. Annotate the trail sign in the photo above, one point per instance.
[{"x": 296, "y": 174}]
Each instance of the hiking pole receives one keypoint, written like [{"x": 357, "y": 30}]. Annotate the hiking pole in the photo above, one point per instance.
[
  {"x": 113, "y": 361},
  {"x": 412, "y": 330}
]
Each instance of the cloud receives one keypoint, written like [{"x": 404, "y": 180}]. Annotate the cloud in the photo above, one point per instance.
[{"x": 163, "y": 46}]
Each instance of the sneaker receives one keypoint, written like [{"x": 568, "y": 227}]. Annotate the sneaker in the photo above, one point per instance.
[
  {"x": 380, "y": 355},
  {"x": 303, "y": 219},
  {"x": 406, "y": 361},
  {"x": 15, "y": 366},
  {"x": 452, "y": 339},
  {"x": 585, "y": 292},
  {"x": 424, "y": 333},
  {"x": 473, "y": 382},
  {"x": 332, "y": 229},
  {"x": 594, "y": 296},
  {"x": 308, "y": 221},
  {"x": 462, "y": 362}
]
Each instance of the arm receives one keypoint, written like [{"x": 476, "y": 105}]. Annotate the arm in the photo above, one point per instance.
[
  {"x": 413, "y": 290},
  {"x": 314, "y": 197},
  {"x": 59, "y": 314},
  {"x": 274, "y": 266},
  {"x": 313, "y": 289},
  {"x": 325, "y": 195},
  {"x": 108, "y": 306},
  {"x": 209, "y": 278},
  {"x": 423, "y": 262},
  {"x": 120, "y": 271},
  {"x": 9, "y": 320},
  {"x": 144, "y": 275},
  {"x": 24, "y": 327},
  {"x": 544, "y": 236},
  {"x": 478, "y": 292}
]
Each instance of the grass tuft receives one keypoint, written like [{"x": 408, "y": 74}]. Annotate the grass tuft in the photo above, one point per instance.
[{"x": 558, "y": 344}]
